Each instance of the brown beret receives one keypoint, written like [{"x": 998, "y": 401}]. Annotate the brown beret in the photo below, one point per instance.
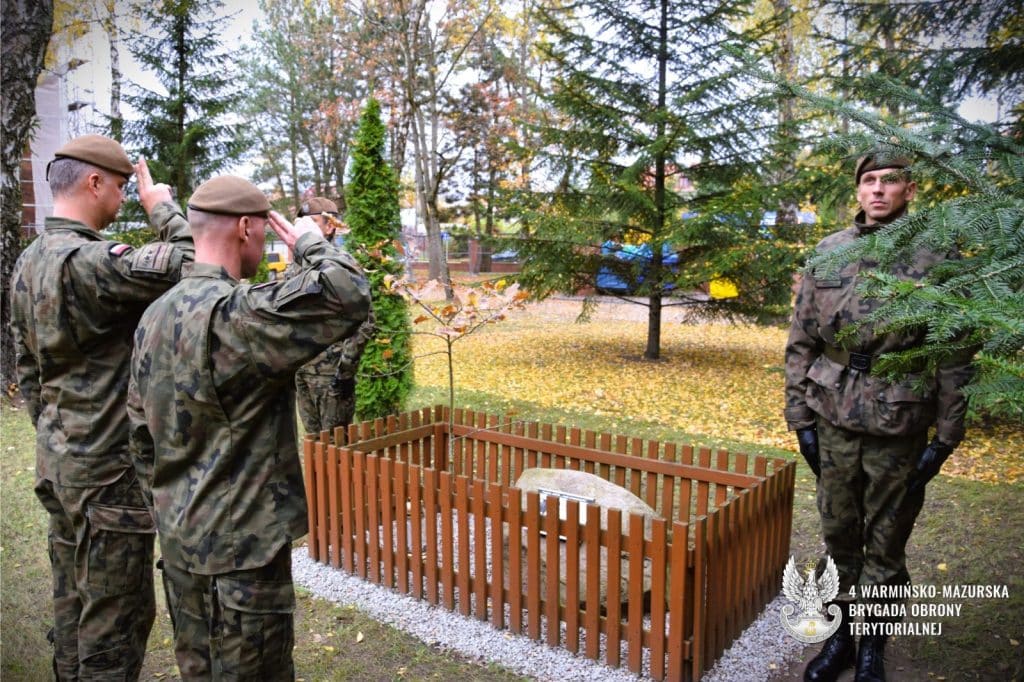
[
  {"x": 316, "y": 206},
  {"x": 229, "y": 195},
  {"x": 877, "y": 160},
  {"x": 96, "y": 150}
]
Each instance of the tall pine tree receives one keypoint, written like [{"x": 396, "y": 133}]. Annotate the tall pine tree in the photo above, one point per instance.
[
  {"x": 657, "y": 138},
  {"x": 187, "y": 135},
  {"x": 385, "y": 371}
]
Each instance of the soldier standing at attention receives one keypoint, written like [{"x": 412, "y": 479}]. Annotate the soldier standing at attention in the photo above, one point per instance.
[
  {"x": 213, "y": 427},
  {"x": 866, "y": 439},
  {"x": 325, "y": 387},
  {"x": 75, "y": 302}
]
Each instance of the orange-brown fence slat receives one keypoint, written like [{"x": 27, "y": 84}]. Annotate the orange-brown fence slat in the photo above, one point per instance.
[
  {"x": 359, "y": 511},
  {"x": 592, "y": 617},
  {"x": 373, "y": 522},
  {"x": 498, "y": 543},
  {"x": 660, "y": 549},
  {"x": 651, "y": 495},
  {"x": 387, "y": 513},
  {"x": 619, "y": 475},
  {"x": 462, "y": 516},
  {"x": 311, "y": 497},
  {"x": 320, "y": 458},
  {"x": 613, "y": 622},
  {"x": 553, "y": 564},
  {"x": 722, "y": 464},
  {"x": 416, "y": 554},
  {"x": 515, "y": 557},
  {"x": 545, "y": 458},
  {"x": 590, "y": 443},
  {"x": 447, "y": 543},
  {"x": 533, "y": 562},
  {"x": 532, "y": 432},
  {"x": 479, "y": 581},
  {"x": 572, "y": 575},
  {"x": 678, "y": 601},
  {"x": 347, "y": 508},
  {"x": 636, "y": 449},
  {"x": 560, "y": 460},
  {"x": 401, "y": 527},
  {"x": 492, "y": 452},
  {"x": 700, "y": 559},
  {"x": 604, "y": 443},
  {"x": 333, "y": 506},
  {"x": 635, "y": 617},
  {"x": 430, "y": 505}
]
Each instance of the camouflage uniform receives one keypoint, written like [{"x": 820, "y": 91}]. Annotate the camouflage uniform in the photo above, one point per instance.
[
  {"x": 76, "y": 299},
  {"x": 325, "y": 387},
  {"x": 870, "y": 431},
  {"x": 214, "y": 440}
]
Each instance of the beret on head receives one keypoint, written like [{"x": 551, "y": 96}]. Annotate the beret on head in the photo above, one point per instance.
[
  {"x": 877, "y": 160},
  {"x": 229, "y": 195},
  {"x": 316, "y": 206},
  {"x": 96, "y": 150}
]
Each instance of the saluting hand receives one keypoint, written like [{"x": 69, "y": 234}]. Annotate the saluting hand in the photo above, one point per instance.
[
  {"x": 290, "y": 233},
  {"x": 149, "y": 194}
]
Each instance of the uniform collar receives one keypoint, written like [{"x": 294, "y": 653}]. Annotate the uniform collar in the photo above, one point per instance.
[
  {"x": 863, "y": 228},
  {"x": 59, "y": 223},
  {"x": 212, "y": 271}
]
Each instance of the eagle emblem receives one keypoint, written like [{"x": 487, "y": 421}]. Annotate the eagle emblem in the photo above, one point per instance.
[{"x": 810, "y": 594}]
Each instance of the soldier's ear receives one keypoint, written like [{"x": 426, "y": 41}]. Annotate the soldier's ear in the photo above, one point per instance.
[{"x": 242, "y": 228}]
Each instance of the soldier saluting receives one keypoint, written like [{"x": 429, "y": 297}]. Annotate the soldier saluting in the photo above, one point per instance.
[
  {"x": 75, "y": 302},
  {"x": 325, "y": 387},
  {"x": 213, "y": 427},
  {"x": 866, "y": 439}
]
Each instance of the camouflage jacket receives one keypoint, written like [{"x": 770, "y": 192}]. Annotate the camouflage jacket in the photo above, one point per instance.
[
  {"x": 76, "y": 298},
  {"x": 212, "y": 408},
  {"x": 850, "y": 398},
  {"x": 340, "y": 361}
]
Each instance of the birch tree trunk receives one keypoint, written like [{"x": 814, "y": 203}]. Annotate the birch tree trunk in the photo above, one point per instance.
[{"x": 25, "y": 33}]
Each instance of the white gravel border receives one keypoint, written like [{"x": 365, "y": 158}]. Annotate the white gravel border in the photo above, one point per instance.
[{"x": 763, "y": 650}]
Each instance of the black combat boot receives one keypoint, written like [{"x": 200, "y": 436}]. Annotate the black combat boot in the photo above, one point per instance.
[
  {"x": 871, "y": 659},
  {"x": 837, "y": 654}
]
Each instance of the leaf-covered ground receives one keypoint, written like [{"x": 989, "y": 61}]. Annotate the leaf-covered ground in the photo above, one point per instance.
[{"x": 714, "y": 380}]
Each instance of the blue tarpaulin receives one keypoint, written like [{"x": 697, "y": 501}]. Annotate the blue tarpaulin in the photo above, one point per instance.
[{"x": 609, "y": 280}]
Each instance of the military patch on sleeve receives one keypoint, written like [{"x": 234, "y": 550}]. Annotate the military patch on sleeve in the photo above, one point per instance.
[
  {"x": 153, "y": 258},
  {"x": 120, "y": 249},
  {"x": 296, "y": 287}
]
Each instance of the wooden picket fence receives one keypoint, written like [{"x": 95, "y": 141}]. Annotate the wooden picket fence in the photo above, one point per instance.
[{"x": 390, "y": 504}]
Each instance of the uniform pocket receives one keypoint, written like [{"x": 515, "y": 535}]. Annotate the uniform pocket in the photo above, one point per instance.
[
  {"x": 257, "y": 629},
  {"x": 120, "y": 548},
  {"x": 823, "y": 395},
  {"x": 900, "y": 410}
]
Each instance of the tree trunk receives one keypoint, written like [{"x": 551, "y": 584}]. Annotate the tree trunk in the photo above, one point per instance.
[
  {"x": 113, "y": 36},
  {"x": 787, "y": 213},
  {"x": 655, "y": 276},
  {"x": 25, "y": 33}
]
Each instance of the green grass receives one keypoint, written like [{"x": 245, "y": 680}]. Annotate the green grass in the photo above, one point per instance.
[{"x": 326, "y": 634}]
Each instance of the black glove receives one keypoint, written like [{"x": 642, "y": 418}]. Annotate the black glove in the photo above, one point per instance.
[
  {"x": 928, "y": 465},
  {"x": 808, "y": 440}
]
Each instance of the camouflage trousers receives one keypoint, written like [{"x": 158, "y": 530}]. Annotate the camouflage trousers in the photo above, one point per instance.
[
  {"x": 324, "y": 403},
  {"x": 101, "y": 555},
  {"x": 866, "y": 514},
  {"x": 233, "y": 626}
]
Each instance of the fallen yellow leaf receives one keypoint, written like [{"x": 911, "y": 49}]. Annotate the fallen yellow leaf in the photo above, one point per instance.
[
  {"x": 942, "y": 566},
  {"x": 359, "y": 637}
]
